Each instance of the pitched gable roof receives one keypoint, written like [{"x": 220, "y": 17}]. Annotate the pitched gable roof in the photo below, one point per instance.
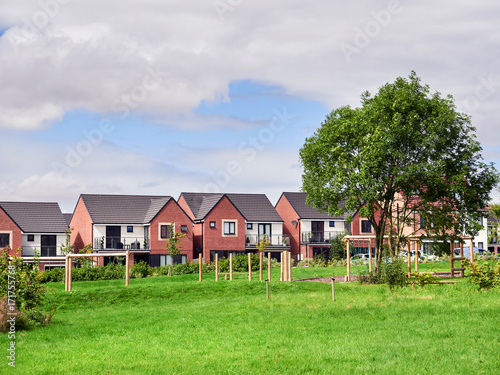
[
  {"x": 253, "y": 207},
  {"x": 36, "y": 217},
  {"x": 123, "y": 209},
  {"x": 298, "y": 202}
]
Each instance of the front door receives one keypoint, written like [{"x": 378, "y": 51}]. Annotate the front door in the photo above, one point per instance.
[
  {"x": 318, "y": 230},
  {"x": 265, "y": 230},
  {"x": 48, "y": 245},
  {"x": 113, "y": 237}
]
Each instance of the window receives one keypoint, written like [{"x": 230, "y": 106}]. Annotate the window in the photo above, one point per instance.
[
  {"x": 480, "y": 245},
  {"x": 130, "y": 229},
  {"x": 249, "y": 226},
  {"x": 422, "y": 223},
  {"x": 229, "y": 227},
  {"x": 184, "y": 228},
  {"x": 332, "y": 224},
  {"x": 31, "y": 237},
  {"x": 4, "y": 239},
  {"x": 164, "y": 231},
  {"x": 366, "y": 226},
  {"x": 212, "y": 224}
]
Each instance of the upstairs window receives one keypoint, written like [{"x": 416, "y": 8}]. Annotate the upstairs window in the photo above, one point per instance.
[
  {"x": 332, "y": 224},
  {"x": 212, "y": 224},
  {"x": 184, "y": 228},
  {"x": 31, "y": 238},
  {"x": 4, "y": 239},
  {"x": 130, "y": 229},
  {"x": 249, "y": 225},
  {"x": 366, "y": 226},
  {"x": 165, "y": 231},
  {"x": 229, "y": 228}
]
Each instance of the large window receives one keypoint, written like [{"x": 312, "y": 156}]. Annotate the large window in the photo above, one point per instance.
[
  {"x": 4, "y": 239},
  {"x": 229, "y": 228},
  {"x": 165, "y": 231},
  {"x": 366, "y": 226}
]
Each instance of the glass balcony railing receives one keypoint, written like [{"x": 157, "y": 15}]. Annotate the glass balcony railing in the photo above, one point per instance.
[
  {"x": 281, "y": 240},
  {"x": 121, "y": 243},
  {"x": 320, "y": 237},
  {"x": 41, "y": 251}
]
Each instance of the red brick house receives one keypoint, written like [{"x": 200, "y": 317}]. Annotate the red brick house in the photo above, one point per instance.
[
  {"x": 310, "y": 230},
  {"x": 37, "y": 228},
  {"x": 138, "y": 223},
  {"x": 233, "y": 223}
]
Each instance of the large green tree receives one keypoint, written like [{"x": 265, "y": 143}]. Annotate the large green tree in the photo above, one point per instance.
[{"x": 403, "y": 154}]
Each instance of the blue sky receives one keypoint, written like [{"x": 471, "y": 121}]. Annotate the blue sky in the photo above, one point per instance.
[{"x": 160, "y": 97}]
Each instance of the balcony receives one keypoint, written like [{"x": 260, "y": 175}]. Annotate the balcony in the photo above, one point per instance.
[
  {"x": 319, "y": 237},
  {"x": 275, "y": 240},
  {"x": 121, "y": 243},
  {"x": 41, "y": 251}
]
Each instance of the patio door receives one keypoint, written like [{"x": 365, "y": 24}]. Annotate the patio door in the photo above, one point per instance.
[
  {"x": 113, "y": 237},
  {"x": 48, "y": 245},
  {"x": 265, "y": 230},
  {"x": 318, "y": 230}
]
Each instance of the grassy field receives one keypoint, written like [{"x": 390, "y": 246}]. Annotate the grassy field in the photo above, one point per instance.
[{"x": 177, "y": 325}]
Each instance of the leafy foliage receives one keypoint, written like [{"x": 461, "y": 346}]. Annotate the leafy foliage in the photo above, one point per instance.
[
  {"x": 23, "y": 282},
  {"x": 404, "y": 151},
  {"x": 484, "y": 275},
  {"x": 424, "y": 278}
]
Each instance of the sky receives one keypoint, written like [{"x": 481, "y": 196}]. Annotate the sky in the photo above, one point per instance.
[{"x": 163, "y": 96}]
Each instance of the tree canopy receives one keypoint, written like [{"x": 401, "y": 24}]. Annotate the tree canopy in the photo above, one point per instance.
[{"x": 403, "y": 151}]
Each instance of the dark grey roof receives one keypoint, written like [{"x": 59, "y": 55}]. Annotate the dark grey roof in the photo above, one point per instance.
[
  {"x": 253, "y": 207},
  {"x": 123, "y": 209},
  {"x": 298, "y": 202},
  {"x": 68, "y": 217},
  {"x": 36, "y": 217}
]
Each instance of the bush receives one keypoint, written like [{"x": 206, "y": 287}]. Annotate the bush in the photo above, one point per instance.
[
  {"x": 21, "y": 284},
  {"x": 141, "y": 269},
  {"x": 54, "y": 275},
  {"x": 424, "y": 278},
  {"x": 484, "y": 275},
  {"x": 317, "y": 261}
]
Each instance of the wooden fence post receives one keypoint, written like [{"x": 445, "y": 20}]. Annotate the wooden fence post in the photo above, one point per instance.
[
  {"x": 269, "y": 265},
  {"x": 127, "y": 264},
  {"x": 200, "y": 259},
  {"x": 230, "y": 266},
  {"x": 249, "y": 267},
  {"x": 261, "y": 258},
  {"x": 216, "y": 267},
  {"x": 348, "y": 276}
]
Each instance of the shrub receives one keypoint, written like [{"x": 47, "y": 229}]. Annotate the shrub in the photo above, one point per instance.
[
  {"x": 393, "y": 273},
  {"x": 141, "y": 269},
  {"x": 424, "y": 278},
  {"x": 483, "y": 275},
  {"x": 54, "y": 275},
  {"x": 21, "y": 282}
]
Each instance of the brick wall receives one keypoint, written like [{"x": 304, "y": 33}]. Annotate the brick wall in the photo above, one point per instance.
[
  {"x": 82, "y": 232},
  {"x": 213, "y": 238},
  {"x": 7, "y": 225},
  {"x": 288, "y": 214},
  {"x": 171, "y": 213}
]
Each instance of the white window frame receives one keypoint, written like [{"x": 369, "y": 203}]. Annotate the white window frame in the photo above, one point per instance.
[{"x": 235, "y": 222}]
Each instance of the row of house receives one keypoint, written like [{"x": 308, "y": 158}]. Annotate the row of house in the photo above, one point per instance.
[{"x": 212, "y": 223}]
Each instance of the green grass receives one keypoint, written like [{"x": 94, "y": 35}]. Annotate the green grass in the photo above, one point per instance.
[{"x": 177, "y": 325}]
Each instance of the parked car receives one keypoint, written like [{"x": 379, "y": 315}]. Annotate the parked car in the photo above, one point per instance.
[
  {"x": 365, "y": 258},
  {"x": 476, "y": 250},
  {"x": 404, "y": 255}
]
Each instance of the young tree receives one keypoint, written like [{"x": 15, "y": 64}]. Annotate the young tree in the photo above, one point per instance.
[
  {"x": 174, "y": 243},
  {"x": 404, "y": 151}
]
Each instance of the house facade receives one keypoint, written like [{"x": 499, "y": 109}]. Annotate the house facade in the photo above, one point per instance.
[
  {"x": 136, "y": 223},
  {"x": 233, "y": 223},
  {"x": 310, "y": 230},
  {"x": 37, "y": 228}
]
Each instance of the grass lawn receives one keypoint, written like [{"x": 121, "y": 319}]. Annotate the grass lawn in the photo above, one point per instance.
[{"x": 177, "y": 325}]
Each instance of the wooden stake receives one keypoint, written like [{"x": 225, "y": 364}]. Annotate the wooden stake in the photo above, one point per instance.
[
  {"x": 261, "y": 258},
  {"x": 249, "y": 267},
  {"x": 269, "y": 265},
  {"x": 452, "y": 255},
  {"x": 200, "y": 260},
  {"x": 216, "y": 267},
  {"x": 369, "y": 256},
  {"x": 416, "y": 255},
  {"x": 127, "y": 264},
  {"x": 409, "y": 260},
  {"x": 281, "y": 265},
  {"x": 267, "y": 288},
  {"x": 333, "y": 289},
  {"x": 230, "y": 266},
  {"x": 66, "y": 274},
  {"x": 348, "y": 276},
  {"x": 70, "y": 272}
]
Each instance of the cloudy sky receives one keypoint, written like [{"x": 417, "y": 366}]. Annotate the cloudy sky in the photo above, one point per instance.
[{"x": 165, "y": 96}]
